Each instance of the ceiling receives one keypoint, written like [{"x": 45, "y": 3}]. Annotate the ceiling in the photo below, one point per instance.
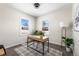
[{"x": 42, "y": 10}]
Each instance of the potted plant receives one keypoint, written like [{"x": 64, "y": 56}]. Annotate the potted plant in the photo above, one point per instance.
[
  {"x": 38, "y": 33},
  {"x": 68, "y": 42}
]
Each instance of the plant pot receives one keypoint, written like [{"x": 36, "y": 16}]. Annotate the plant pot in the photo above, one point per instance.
[{"x": 67, "y": 49}]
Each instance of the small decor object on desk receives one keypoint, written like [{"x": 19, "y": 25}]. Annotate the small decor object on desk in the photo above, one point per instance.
[{"x": 68, "y": 42}]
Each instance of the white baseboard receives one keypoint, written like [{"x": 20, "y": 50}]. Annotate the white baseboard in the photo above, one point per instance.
[{"x": 12, "y": 45}]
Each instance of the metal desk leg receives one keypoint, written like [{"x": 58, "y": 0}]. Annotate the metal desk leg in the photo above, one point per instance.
[
  {"x": 48, "y": 45},
  {"x": 33, "y": 44},
  {"x": 27, "y": 42},
  {"x": 43, "y": 48},
  {"x": 37, "y": 45}
]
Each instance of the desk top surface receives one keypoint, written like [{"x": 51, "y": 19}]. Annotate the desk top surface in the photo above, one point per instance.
[{"x": 38, "y": 38}]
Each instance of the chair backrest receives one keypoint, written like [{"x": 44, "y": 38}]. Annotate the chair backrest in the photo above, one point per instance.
[{"x": 2, "y": 50}]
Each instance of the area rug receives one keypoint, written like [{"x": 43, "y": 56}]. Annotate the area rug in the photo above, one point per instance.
[{"x": 24, "y": 51}]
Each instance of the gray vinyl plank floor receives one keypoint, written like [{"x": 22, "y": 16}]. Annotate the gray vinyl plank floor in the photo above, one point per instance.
[{"x": 11, "y": 52}]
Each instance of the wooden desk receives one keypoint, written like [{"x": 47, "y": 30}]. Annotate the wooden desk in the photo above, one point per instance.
[{"x": 41, "y": 39}]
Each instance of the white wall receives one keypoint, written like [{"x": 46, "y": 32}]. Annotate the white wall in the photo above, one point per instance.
[
  {"x": 75, "y": 34},
  {"x": 54, "y": 19},
  {"x": 10, "y": 26}
]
